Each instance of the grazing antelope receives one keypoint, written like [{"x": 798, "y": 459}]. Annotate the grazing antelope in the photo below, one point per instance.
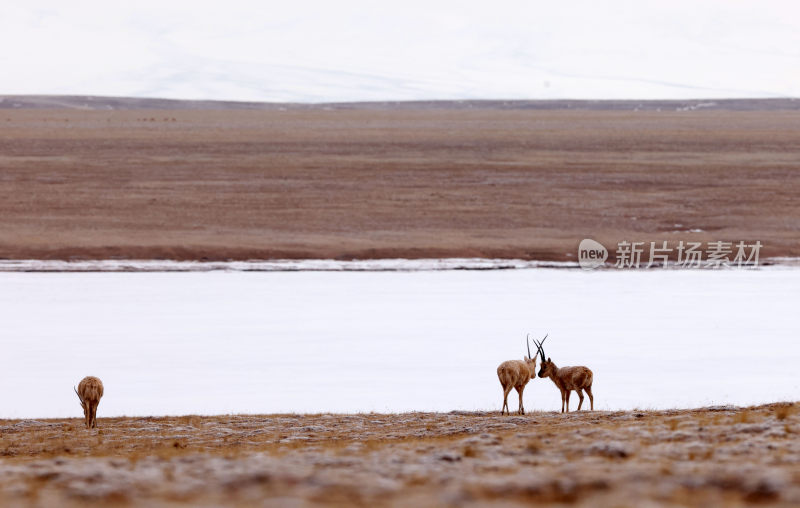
[
  {"x": 567, "y": 378},
  {"x": 516, "y": 374},
  {"x": 89, "y": 391}
]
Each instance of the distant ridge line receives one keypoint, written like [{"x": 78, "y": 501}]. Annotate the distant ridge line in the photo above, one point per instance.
[{"x": 97, "y": 103}]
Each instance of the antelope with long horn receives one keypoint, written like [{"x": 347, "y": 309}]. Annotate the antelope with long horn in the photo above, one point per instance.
[
  {"x": 516, "y": 374},
  {"x": 566, "y": 378},
  {"x": 89, "y": 392}
]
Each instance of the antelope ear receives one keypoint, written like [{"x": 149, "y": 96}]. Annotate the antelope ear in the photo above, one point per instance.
[{"x": 548, "y": 359}]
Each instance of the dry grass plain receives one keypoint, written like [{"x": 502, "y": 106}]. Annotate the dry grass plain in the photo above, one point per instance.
[
  {"x": 704, "y": 457},
  {"x": 419, "y": 181}
]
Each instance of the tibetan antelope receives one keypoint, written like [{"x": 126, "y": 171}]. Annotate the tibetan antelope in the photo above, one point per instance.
[
  {"x": 89, "y": 391},
  {"x": 516, "y": 374},
  {"x": 566, "y": 378}
]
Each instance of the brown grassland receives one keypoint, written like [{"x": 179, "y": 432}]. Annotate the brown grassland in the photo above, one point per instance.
[
  {"x": 704, "y": 457},
  {"x": 376, "y": 183}
]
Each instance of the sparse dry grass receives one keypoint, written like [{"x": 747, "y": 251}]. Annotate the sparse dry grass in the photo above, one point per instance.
[
  {"x": 677, "y": 457},
  {"x": 783, "y": 411}
]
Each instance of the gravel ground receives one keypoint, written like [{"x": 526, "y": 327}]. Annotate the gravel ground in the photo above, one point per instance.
[{"x": 717, "y": 455}]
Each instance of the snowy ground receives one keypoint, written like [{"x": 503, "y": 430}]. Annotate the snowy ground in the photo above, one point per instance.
[
  {"x": 317, "y": 265},
  {"x": 266, "y": 342},
  {"x": 281, "y": 265},
  {"x": 356, "y": 50}
]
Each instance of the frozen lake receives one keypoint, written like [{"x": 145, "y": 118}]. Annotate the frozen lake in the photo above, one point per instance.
[{"x": 261, "y": 342}]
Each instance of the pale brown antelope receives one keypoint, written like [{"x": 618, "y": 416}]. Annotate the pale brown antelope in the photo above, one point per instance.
[
  {"x": 89, "y": 392},
  {"x": 516, "y": 374},
  {"x": 567, "y": 379}
]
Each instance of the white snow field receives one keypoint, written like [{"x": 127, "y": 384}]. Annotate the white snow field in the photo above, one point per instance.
[
  {"x": 319, "y": 341},
  {"x": 356, "y": 50},
  {"x": 287, "y": 265}
]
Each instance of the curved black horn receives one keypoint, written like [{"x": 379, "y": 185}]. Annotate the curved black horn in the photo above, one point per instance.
[
  {"x": 528, "y": 343},
  {"x": 539, "y": 346}
]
